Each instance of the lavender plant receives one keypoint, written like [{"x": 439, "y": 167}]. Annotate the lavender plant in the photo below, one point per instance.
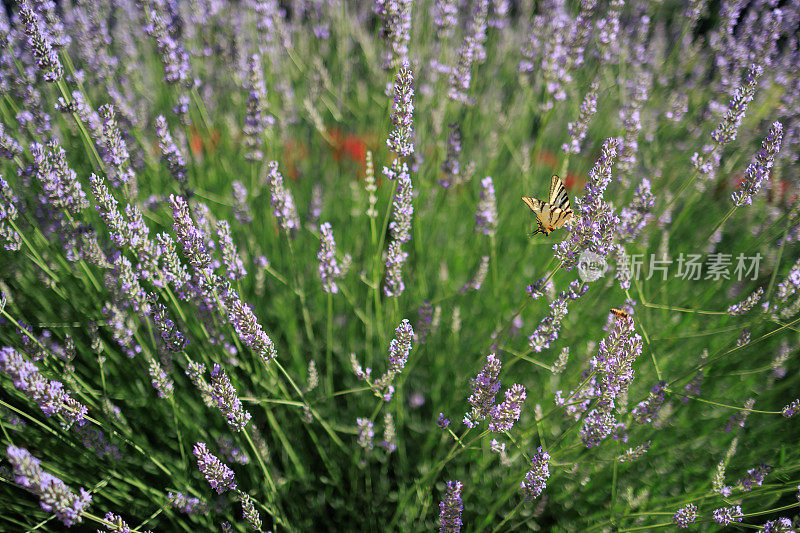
[{"x": 255, "y": 274}]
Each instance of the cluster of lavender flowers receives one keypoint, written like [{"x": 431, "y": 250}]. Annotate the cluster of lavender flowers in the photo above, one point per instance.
[
  {"x": 55, "y": 496},
  {"x": 548, "y": 329},
  {"x": 594, "y": 222},
  {"x": 49, "y": 395},
  {"x": 399, "y": 350},
  {"x": 613, "y": 368}
]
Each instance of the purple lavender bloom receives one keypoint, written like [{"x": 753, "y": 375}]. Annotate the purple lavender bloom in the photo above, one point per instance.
[
  {"x": 366, "y": 433},
  {"x": 486, "y": 214},
  {"x": 400, "y": 346},
  {"x": 577, "y": 129},
  {"x": 241, "y": 210},
  {"x": 685, "y": 515},
  {"x": 282, "y": 201},
  {"x": 581, "y": 33},
  {"x": 634, "y": 217},
  {"x": 613, "y": 365},
  {"x": 747, "y": 304},
  {"x": 9, "y": 148},
  {"x": 632, "y": 454},
  {"x": 726, "y": 515},
  {"x": 451, "y": 165},
  {"x": 10, "y": 238},
  {"x": 395, "y": 30},
  {"x": 161, "y": 26},
  {"x": 257, "y": 118},
  {"x": 442, "y": 421},
  {"x": 402, "y": 207},
  {"x": 187, "y": 504},
  {"x": 329, "y": 270},
  {"x": 40, "y": 44},
  {"x": 402, "y": 116},
  {"x": 536, "y": 289},
  {"x": 480, "y": 276},
  {"x": 171, "y": 336},
  {"x": 779, "y": 525},
  {"x": 549, "y": 328},
  {"x": 161, "y": 381},
  {"x": 389, "y": 442},
  {"x": 106, "y": 205},
  {"x": 450, "y": 508},
  {"x": 536, "y": 479},
  {"x": 49, "y": 395},
  {"x": 484, "y": 388},
  {"x": 227, "y": 400},
  {"x": 54, "y": 495},
  {"x": 190, "y": 236},
  {"x": 461, "y": 76},
  {"x": 393, "y": 285},
  {"x": 249, "y": 330},
  {"x": 234, "y": 265},
  {"x": 118, "y": 524},
  {"x": 116, "y": 152},
  {"x": 744, "y": 338},
  {"x": 758, "y": 170},
  {"x": 128, "y": 282},
  {"x": 217, "y": 473},
  {"x": 608, "y": 31},
  {"x": 594, "y": 221},
  {"x": 425, "y": 321},
  {"x": 60, "y": 183},
  {"x": 631, "y": 121},
  {"x": 445, "y": 16},
  {"x": 647, "y": 411},
  {"x": 170, "y": 152},
  {"x": 505, "y": 415},
  {"x": 754, "y": 478},
  {"x": 726, "y": 131},
  {"x": 792, "y": 409},
  {"x": 249, "y": 511}
]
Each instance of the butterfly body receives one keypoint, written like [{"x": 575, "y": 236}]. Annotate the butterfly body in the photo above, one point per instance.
[{"x": 554, "y": 213}]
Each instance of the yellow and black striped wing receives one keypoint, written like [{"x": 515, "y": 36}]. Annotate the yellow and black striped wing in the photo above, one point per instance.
[
  {"x": 558, "y": 194},
  {"x": 557, "y": 216},
  {"x": 535, "y": 204}
]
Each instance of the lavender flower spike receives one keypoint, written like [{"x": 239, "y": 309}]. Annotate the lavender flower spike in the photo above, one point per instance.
[
  {"x": 450, "y": 509},
  {"x": 55, "y": 496},
  {"x": 726, "y": 131},
  {"x": 217, "y": 473},
  {"x": 169, "y": 151},
  {"x": 400, "y": 346},
  {"x": 577, "y": 129},
  {"x": 402, "y": 208},
  {"x": 504, "y": 415},
  {"x": 50, "y": 395},
  {"x": 40, "y": 44},
  {"x": 282, "y": 201},
  {"x": 329, "y": 270},
  {"x": 484, "y": 388},
  {"x": 402, "y": 117},
  {"x": 486, "y": 215},
  {"x": 227, "y": 400},
  {"x": 536, "y": 479},
  {"x": 685, "y": 515},
  {"x": 758, "y": 170}
]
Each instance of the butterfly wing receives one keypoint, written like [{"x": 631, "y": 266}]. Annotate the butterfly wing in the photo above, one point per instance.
[
  {"x": 559, "y": 217},
  {"x": 535, "y": 204},
  {"x": 558, "y": 194}
]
